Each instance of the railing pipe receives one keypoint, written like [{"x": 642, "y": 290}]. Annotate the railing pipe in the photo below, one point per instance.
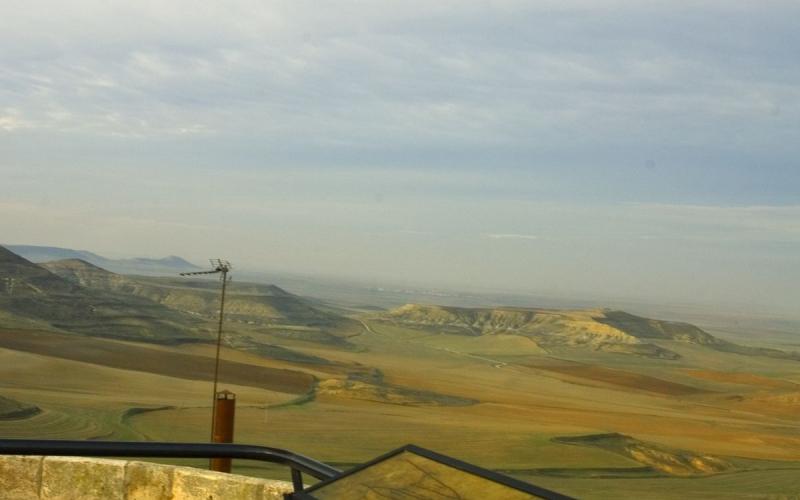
[{"x": 297, "y": 480}]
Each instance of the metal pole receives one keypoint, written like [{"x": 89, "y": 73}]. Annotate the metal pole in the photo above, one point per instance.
[
  {"x": 220, "y": 266},
  {"x": 225, "y": 406},
  {"x": 219, "y": 343},
  {"x": 297, "y": 480}
]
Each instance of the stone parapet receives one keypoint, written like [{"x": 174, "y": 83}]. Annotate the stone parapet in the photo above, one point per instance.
[{"x": 73, "y": 478}]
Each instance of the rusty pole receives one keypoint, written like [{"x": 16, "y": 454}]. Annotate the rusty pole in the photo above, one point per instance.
[{"x": 225, "y": 411}]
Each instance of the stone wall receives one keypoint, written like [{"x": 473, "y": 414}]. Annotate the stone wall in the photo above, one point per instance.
[{"x": 73, "y": 478}]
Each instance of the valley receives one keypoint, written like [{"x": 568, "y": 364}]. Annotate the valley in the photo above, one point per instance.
[{"x": 589, "y": 402}]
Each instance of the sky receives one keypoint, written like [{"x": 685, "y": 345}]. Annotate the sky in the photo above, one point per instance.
[{"x": 596, "y": 148}]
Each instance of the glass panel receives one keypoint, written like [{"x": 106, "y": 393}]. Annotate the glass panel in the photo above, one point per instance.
[{"x": 408, "y": 475}]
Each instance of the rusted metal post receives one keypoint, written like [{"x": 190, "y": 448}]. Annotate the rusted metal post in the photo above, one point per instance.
[{"x": 224, "y": 414}]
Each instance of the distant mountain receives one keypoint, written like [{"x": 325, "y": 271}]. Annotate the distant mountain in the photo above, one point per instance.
[
  {"x": 598, "y": 329},
  {"x": 43, "y": 253},
  {"x": 166, "y": 266},
  {"x": 30, "y": 293}
]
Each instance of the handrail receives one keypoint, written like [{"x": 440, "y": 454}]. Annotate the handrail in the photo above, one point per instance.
[{"x": 296, "y": 462}]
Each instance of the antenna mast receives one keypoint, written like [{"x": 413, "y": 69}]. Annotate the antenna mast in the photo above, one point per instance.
[{"x": 221, "y": 267}]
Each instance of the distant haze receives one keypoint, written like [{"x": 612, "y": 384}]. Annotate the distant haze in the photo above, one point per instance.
[{"x": 608, "y": 148}]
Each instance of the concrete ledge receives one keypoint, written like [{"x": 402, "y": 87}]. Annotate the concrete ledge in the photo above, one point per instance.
[
  {"x": 194, "y": 483},
  {"x": 20, "y": 477},
  {"x": 95, "y": 479},
  {"x": 148, "y": 481},
  {"x": 73, "y": 478}
]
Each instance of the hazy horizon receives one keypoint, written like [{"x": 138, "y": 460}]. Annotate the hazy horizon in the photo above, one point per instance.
[{"x": 597, "y": 149}]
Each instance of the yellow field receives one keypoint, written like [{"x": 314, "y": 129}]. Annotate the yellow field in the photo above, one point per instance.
[{"x": 501, "y": 406}]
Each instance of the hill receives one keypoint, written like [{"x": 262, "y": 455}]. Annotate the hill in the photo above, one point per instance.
[
  {"x": 598, "y": 329},
  {"x": 33, "y": 293},
  {"x": 662, "y": 459},
  {"x": 22, "y": 278},
  {"x": 265, "y": 307},
  {"x": 139, "y": 265},
  {"x": 85, "y": 274},
  {"x": 14, "y": 410}
]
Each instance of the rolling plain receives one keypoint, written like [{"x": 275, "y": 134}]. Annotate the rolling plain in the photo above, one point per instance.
[{"x": 594, "y": 403}]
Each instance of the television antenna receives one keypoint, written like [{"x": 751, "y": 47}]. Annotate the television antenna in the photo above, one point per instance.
[{"x": 221, "y": 267}]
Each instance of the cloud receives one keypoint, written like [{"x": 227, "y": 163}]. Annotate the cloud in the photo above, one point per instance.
[
  {"x": 308, "y": 128},
  {"x": 511, "y": 236},
  {"x": 435, "y": 77},
  {"x": 11, "y": 121}
]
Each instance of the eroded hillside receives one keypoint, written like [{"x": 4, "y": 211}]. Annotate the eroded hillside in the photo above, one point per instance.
[{"x": 598, "y": 329}]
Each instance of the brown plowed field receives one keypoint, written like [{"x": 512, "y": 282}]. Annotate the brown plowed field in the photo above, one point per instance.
[
  {"x": 144, "y": 359},
  {"x": 621, "y": 378},
  {"x": 741, "y": 378}
]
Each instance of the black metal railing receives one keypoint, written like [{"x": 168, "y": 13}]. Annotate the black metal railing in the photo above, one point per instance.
[{"x": 298, "y": 464}]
